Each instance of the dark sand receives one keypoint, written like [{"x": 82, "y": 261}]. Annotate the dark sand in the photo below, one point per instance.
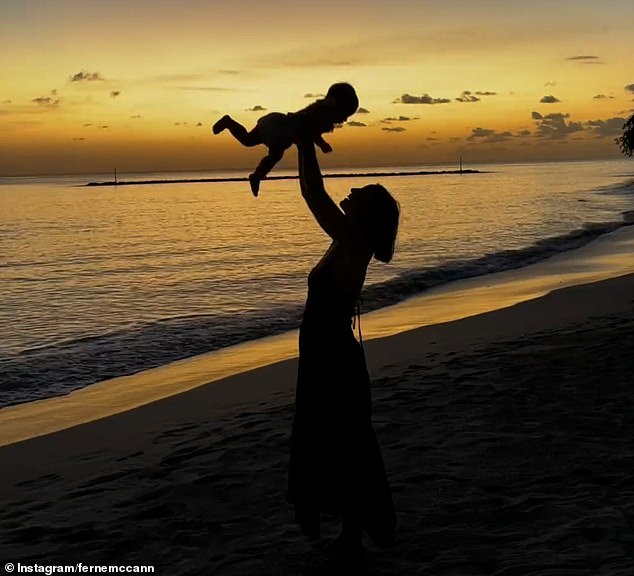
[{"x": 508, "y": 439}]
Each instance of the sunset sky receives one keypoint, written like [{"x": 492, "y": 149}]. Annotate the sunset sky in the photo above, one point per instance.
[{"x": 89, "y": 85}]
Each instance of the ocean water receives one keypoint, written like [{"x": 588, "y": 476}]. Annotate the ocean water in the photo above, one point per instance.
[{"x": 98, "y": 282}]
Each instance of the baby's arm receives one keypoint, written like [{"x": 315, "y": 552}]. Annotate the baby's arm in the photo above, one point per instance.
[{"x": 325, "y": 147}]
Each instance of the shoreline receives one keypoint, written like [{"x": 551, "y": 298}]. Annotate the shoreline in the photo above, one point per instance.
[
  {"x": 507, "y": 439},
  {"x": 285, "y": 177},
  {"x": 609, "y": 256}
]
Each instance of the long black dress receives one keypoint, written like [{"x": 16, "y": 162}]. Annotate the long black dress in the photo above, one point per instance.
[{"x": 335, "y": 460}]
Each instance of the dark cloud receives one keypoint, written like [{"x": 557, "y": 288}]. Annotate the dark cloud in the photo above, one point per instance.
[
  {"x": 393, "y": 129},
  {"x": 314, "y": 95},
  {"x": 80, "y": 138},
  {"x": 590, "y": 58},
  {"x": 630, "y": 88},
  {"x": 554, "y": 126},
  {"x": 488, "y": 135},
  {"x": 499, "y": 137},
  {"x": 486, "y": 93},
  {"x": 362, "y": 111},
  {"x": 550, "y": 99},
  {"x": 103, "y": 126},
  {"x": 606, "y": 128},
  {"x": 87, "y": 124},
  {"x": 136, "y": 116},
  {"x": 256, "y": 108},
  {"x": 199, "y": 124},
  {"x": 115, "y": 93},
  {"x": 356, "y": 124},
  {"x": 481, "y": 133},
  {"x": 536, "y": 116},
  {"x": 395, "y": 119},
  {"x": 46, "y": 101},
  {"x": 424, "y": 99},
  {"x": 84, "y": 76},
  {"x": 467, "y": 96},
  {"x": 602, "y": 97},
  {"x": 524, "y": 133}
]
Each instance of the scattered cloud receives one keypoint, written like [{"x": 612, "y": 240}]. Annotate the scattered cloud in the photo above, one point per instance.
[
  {"x": 480, "y": 133},
  {"x": 395, "y": 119},
  {"x": 84, "y": 76},
  {"x": 115, "y": 93},
  {"x": 630, "y": 88},
  {"x": 314, "y": 95},
  {"x": 356, "y": 124},
  {"x": 467, "y": 96},
  {"x": 229, "y": 71},
  {"x": 136, "y": 116},
  {"x": 46, "y": 101},
  {"x": 199, "y": 124},
  {"x": 79, "y": 138},
  {"x": 585, "y": 59},
  {"x": 104, "y": 126},
  {"x": 393, "y": 129},
  {"x": 523, "y": 133},
  {"x": 550, "y": 99},
  {"x": 424, "y": 99},
  {"x": 606, "y": 128},
  {"x": 87, "y": 124},
  {"x": 550, "y": 84},
  {"x": 554, "y": 125},
  {"x": 602, "y": 97},
  {"x": 488, "y": 135},
  {"x": 6, "y": 102},
  {"x": 256, "y": 108},
  {"x": 486, "y": 93},
  {"x": 362, "y": 111}
]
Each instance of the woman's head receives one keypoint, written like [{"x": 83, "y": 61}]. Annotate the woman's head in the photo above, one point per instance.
[{"x": 376, "y": 213}]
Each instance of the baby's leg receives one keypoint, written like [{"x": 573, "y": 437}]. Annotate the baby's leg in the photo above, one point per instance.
[
  {"x": 264, "y": 167},
  {"x": 238, "y": 131}
]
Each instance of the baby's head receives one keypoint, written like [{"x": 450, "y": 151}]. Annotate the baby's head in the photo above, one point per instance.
[{"x": 345, "y": 100}]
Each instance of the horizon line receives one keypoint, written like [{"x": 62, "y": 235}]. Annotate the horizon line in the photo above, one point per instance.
[{"x": 282, "y": 177}]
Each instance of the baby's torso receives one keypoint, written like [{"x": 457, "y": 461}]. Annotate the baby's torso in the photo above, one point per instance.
[{"x": 277, "y": 130}]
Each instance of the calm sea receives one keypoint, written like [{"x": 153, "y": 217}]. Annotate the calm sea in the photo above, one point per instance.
[{"x": 97, "y": 282}]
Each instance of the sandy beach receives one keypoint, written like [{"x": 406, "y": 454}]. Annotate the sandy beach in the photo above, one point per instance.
[{"x": 507, "y": 436}]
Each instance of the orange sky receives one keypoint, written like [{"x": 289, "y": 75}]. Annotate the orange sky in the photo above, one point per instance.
[{"x": 88, "y": 86}]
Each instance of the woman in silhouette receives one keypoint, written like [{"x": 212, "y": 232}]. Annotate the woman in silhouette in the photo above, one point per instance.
[{"x": 335, "y": 461}]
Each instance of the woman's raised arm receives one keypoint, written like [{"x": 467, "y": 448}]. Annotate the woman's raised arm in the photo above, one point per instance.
[{"x": 324, "y": 209}]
